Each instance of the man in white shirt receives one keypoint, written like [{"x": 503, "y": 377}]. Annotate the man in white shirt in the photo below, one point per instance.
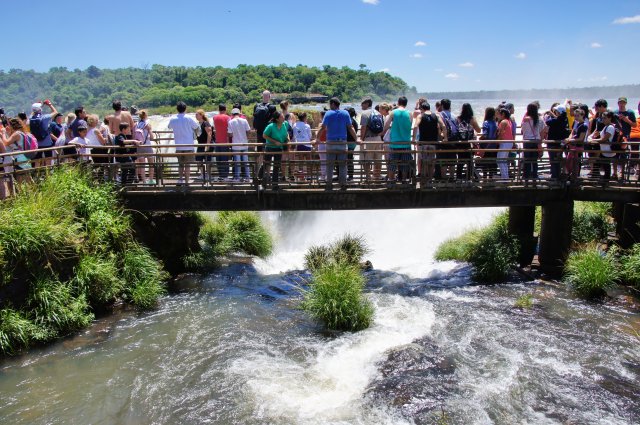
[
  {"x": 183, "y": 135},
  {"x": 239, "y": 129}
]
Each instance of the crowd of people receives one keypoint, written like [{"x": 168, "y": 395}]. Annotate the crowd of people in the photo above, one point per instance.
[{"x": 394, "y": 142}]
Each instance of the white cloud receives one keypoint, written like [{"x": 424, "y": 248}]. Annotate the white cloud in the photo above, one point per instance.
[
  {"x": 596, "y": 45},
  {"x": 628, "y": 20},
  {"x": 521, "y": 56},
  {"x": 452, "y": 76},
  {"x": 385, "y": 70},
  {"x": 467, "y": 65},
  {"x": 416, "y": 56},
  {"x": 420, "y": 44}
]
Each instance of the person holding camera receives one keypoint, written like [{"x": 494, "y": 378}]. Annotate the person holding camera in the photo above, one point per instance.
[{"x": 39, "y": 127}]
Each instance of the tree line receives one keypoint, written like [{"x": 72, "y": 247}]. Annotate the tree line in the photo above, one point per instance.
[{"x": 162, "y": 86}]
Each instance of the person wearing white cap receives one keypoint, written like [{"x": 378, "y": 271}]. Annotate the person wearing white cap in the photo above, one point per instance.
[
  {"x": 239, "y": 130},
  {"x": 39, "y": 126}
]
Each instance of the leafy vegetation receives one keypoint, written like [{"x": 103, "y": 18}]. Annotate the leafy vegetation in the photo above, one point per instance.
[
  {"x": 68, "y": 242},
  {"x": 459, "y": 248},
  {"x": 349, "y": 249},
  {"x": 335, "y": 295},
  {"x": 591, "y": 272},
  {"x": 630, "y": 263},
  {"x": 160, "y": 86},
  {"x": 230, "y": 232},
  {"x": 524, "y": 302},
  {"x": 335, "y": 298},
  {"x": 591, "y": 222}
]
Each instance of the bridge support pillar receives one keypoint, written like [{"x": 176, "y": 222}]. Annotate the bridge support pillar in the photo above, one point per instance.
[
  {"x": 627, "y": 217},
  {"x": 555, "y": 236},
  {"x": 522, "y": 225}
]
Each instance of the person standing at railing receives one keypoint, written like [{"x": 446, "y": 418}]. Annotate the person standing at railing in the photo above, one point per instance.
[
  {"x": 351, "y": 143},
  {"x": 489, "y": 133},
  {"x": 239, "y": 130},
  {"x": 204, "y": 138},
  {"x": 262, "y": 113},
  {"x": 604, "y": 139},
  {"x": 595, "y": 127},
  {"x": 12, "y": 138},
  {"x": 183, "y": 135},
  {"x": 146, "y": 152},
  {"x": 627, "y": 120},
  {"x": 221, "y": 128},
  {"x": 55, "y": 127},
  {"x": 126, "y": 153},
  {"x": 303, "y": 136},
  {"x": 558, "y": 124},
  {"x": 371, "y": 125},
  {"x": 635, "y": 144},
  {"x": 39, "y": 125},
  {"x": 576, "y": 143},
  {"x": 119, "y": 116},
  {"x": 276, "y": 137},
  {"x": 505, "y": 135},
  {"x": 532, "y": 127},
  {"x": 431, "y": 129},
  {"x": 467, "y": 127},
  {"x": 401, "y": 159},
  {"x": 337, "y": 123}
]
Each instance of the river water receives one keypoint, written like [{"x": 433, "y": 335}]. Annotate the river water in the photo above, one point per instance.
[{"x": 231, "y": 346}]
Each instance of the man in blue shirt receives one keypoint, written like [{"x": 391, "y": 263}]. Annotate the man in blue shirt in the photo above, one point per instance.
[
  {"x": 337, "y": 123},
  {"x": 39, "y": 124}
]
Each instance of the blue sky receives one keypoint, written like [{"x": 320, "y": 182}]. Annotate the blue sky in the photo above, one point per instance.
[{"x": 434, "y": 45}]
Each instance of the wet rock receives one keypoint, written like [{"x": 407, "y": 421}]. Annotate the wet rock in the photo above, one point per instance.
[{"x": 416, "y": 378}]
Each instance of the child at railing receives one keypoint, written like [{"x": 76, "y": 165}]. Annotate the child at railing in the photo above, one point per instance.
[
  {"x": 302, "y": 135},
  {"x": 125, "y": 155}
]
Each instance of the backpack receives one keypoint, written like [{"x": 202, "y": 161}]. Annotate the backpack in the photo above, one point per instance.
[
  {"x": 139, "y": 133},
  {"x": 261, "y": 116},
  {"x": 452, "y": 128},
  {"x": 29, "y": 143},
  {"x": 619, "y": 140},
  {"x": 35, "y": 124},
  {"x": 376, "y": 123},
  {"x": 465, "y": 131}
]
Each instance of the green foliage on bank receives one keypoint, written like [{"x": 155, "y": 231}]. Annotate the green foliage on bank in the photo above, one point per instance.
[
  {"x": 491, "y": 250},
  {"x": 227, "y": 233},
  {"x": 335, "y": 296},
  {"x": 69, "y": 242},
  {"x": 591, "y": 272},
  {"x": 162, "y": 86},
  {"x": 591, "y": 222}
]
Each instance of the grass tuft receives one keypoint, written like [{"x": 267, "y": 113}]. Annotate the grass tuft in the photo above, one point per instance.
[
  {"x": 97, "y": 277},
  {"x": 459, "y": 248},
  {"x": 143, "y": 277},
  {"x": 630, "y": 262},
  {"x": 349, "y": 249},
  {"x": 335, "y": 298},
  {"x": 245, "y": 233},
  {"x": 524, "y": 302},
  {"x": 591, "y": 272}
]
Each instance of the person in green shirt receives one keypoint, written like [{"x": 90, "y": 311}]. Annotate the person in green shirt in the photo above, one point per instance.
[
  {"x": 399, "y": 123},
  {"x": 276, "y": 137}
]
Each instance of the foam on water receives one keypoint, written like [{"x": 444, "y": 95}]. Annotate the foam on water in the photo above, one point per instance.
[{"x": 326, "y": 386}]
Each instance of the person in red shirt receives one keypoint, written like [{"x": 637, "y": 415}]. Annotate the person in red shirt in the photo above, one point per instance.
[{"x": 221, "y": 127}]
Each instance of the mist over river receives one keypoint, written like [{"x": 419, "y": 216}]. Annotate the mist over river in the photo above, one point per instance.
[{"x": 231, "y": 347}]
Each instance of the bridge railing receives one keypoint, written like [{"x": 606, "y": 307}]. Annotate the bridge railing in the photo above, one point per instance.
[{"x": 376, "y": 165}]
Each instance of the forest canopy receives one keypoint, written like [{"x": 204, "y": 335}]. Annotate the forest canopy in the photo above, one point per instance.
[{"x": 161, "y": 86}]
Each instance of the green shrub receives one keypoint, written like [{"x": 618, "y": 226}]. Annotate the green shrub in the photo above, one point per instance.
[
  {"x": 246, "y": 233},
  {"x": 591, "y": 272},
  {"x": 53, "y": 306},
  {"x": 97, "y": 278},
  {"x": 349, "y": 250},
  {"x": 143, "y": 276},
  {"x": 15, "y": 331},
  {"x": 495, "y": 251},
  {"x": 524, "y": 301},
  {"x": 108, "y": 231},
  {"x": 630, "y": 263},
  {"x": 458, "y": 249},
  {"x": 590, "y": 225},
  {"x": 335, "y": 297},
  {"x": 214, "y": 236}
]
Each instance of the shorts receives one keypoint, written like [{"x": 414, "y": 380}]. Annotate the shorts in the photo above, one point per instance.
[
  {"x": 303, "y": 148},
  {"x": 427, "y": 152},
  {"x": 145, "y": 150},
  {"x": 186, "y": 158},
  {"x": 204, "y": 158},
  {"x": 45, "y": 154},
  {"x": 369, "y": 148}
]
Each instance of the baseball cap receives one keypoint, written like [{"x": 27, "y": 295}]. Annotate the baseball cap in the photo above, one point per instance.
[
  {"x": 622, "y": 99},
  {"x": 235, "y": 111},
  {"x": 561, "y": 109},
  {"x": 36, "y": 107}
]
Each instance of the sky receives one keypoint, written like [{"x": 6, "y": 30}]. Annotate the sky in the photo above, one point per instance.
[{"x": 438, "y": 45}]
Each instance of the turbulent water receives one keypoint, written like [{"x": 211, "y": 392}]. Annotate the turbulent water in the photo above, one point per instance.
[{"x": 231, "y": 347}]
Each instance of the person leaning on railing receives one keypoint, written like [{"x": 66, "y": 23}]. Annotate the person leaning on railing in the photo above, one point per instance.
[
  {"x": 399, "y": 123},
  {"x": 532, "y": 126},
  {"x": 12, "y": 138},
  {"x": 276, "y": 137},
  {"x": 634, "y": 138},
  {"x": 558, "y": 124},
  {"x": 604, "y": 138}
]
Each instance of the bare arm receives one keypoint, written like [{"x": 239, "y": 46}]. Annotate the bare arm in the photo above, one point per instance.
[
  {"x": 415, "y": 129},
  {"x": 476, "y": 127},
  {"x": 387, "y": 125},
  {"x": 352, "y": 131}
]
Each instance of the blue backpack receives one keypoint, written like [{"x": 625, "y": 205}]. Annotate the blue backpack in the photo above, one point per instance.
[
  {"x": 452, "y": 127},
  {"x": 376, "y": 123}
]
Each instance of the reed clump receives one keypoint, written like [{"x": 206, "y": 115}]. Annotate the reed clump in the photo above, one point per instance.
[
  {"x": 335, "y": 296},
  {"x": 67, "y": 244},
  {"x": 591, "y": 272}
]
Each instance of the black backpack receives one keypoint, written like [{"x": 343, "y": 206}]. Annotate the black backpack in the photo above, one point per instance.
[
  {"x": 35, "y": 124},
  {"x": 261, "y": 116},
  {"x": 375, "y": 123},
  {"x": 465, "y": 131}
]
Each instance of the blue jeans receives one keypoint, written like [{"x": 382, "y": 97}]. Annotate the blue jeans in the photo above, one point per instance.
[
  {"x": 222, "y": 162},
  {"x": 240, "y": 160}
]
